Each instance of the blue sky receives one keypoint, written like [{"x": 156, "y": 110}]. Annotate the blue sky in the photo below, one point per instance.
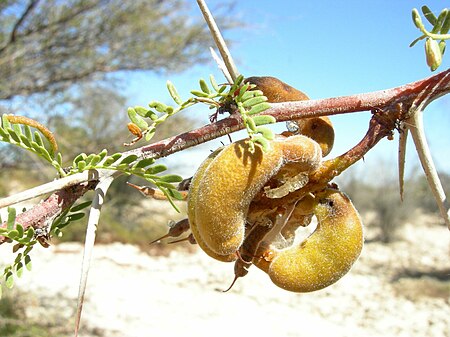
[{"x": 327, "y": 49}]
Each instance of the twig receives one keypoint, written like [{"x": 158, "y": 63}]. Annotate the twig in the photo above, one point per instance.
[
  {"x": 41, "y": 215},
  {"x": 218, "y": 39},
  {"x": 53, "y": 186}
]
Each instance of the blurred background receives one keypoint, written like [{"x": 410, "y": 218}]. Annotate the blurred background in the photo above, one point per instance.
[{"x": 76, "y": 65}]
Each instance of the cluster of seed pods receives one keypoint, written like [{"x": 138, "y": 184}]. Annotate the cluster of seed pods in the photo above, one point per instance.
[{"x": 234, "y": 214}]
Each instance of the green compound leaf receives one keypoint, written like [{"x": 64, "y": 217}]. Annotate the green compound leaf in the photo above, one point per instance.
[
  {"x": 19, "y": 229},
  {"x": 158, "y": 168},
  {"x": 137, "y": 119},
  {"x": 75, "y": 216},
  {"x": 4, "y": 135},
  {"x": 81, "y": 206},
  {"x": 250, "y": 124},
  {"x": 38, "y": 139},
  {"x": 143, "y": 163},
  {"x": 59, "y": 159},
  {"x": 11, "y": 218},
  {"x": 93, "y": 159},
  {"x": 80, "y": 157},
  {"x": 160, "y": 107},
  {"x": 5, "y": 121},
  {"x": 141, "y": 111},
  {"x": 440, "y": 21},
  {"x": 112, "y": 159},
  {"x": 243, "y": 91},
  {"x": 27, "y": 132},
  {"x": 9, "y": 279},
  {"x": 128, "y": 159},
  {"x": 446, "y": 24},
  {"x": 265, "y": 132},
  {"x": 13, "y": 135},
  {"x": 171, "y": 178},
  {"x": 165, "y": 184},
  {"x": 204, "y": 86},
  {"x": 25, "y": 141},
  {"x": 428, "y": 15},
  {"x": 81, "y": 165},
  {"x": 175, "y": 194},
  {"x": 28, "y": 263},
  {"x": 214, "y": 84},
  {"x": 199, "y": 93},
  {"x": 29, "y": 233},
  {"x": 261, "y": 120},
  {"x": 263, "y": 142},
  {"x": 19, "y": 269},
  {"x": 174, "y": 93},
  {"x": 12, "y": 234},
  {"x": 258, "y": 108},
  {"x": 254, "y": 101}
]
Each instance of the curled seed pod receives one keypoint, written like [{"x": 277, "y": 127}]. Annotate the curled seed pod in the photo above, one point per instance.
[
  {"x": 192, "y": 203},
  {"x": 318, "y": 128},
  {"x": 325, "y": 256},
  {"x": 224, "y": 191}
]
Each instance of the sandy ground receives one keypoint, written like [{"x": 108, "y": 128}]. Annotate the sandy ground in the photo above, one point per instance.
[{"x": 402, "y": 289}]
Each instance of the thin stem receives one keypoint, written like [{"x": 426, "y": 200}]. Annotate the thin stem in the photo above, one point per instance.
[
  {"x": 218, "y": 39},
  {"x": 55, "y": 185}
]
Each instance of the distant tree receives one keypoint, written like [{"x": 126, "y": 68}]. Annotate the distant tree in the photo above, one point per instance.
[
  {"x": 47, "y": 45},
  {"x": 69, "y": 52}
]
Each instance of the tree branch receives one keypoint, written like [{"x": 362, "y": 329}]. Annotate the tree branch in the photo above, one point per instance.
[
  {"x": 22, "y": 18},
  {"x": 389, "y": 108}
]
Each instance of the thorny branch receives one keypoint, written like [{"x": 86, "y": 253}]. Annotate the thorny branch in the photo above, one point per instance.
[{"x": 390, "y": 108}]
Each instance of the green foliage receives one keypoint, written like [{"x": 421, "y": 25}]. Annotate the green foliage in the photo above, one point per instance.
[
  {"x": 22, "y": 136},
  {"x": 24, "y": 241},
  {"x": 434, "y": 50},
  {"x": 132, "y": 165},
  {"x": 57, "y": 43},
  {"x": 40, "y": 314},
  {"x": 13, "y": 314},
  {"x": 251, "y": 102},
  {"x": 70, "y": 215},
  {"x": 238, "y": 97}
]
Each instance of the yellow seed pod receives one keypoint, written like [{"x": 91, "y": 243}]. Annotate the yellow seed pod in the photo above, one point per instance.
[
  {"x": 318, "y": 128},
  {"x": 325, "y": 256},
  {"x": 192, "y": 202},
  {"x": 224, "y": 191}
]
